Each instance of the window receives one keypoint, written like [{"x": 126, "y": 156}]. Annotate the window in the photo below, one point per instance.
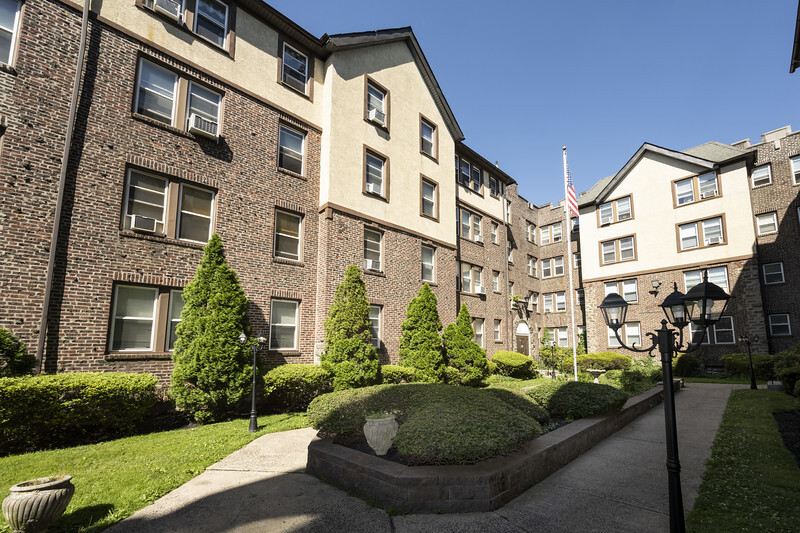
[
  {"x": 779, "y": 325},
  {"x": 717, "y": 276},
  {"x": 553, "y": 266},
  {"x": 707, "y": 184},
  {"x": 615, "y": 211},
  {"x": 551, "y": 233},
  {"x": 9, "y": 22},
  {"x": 465, "y": 175},
  {"x": 762, "y": 175},
  {"x": 495, "y": 281},
  {"x": 283, "y": 325},
  {"x": 294, "y": 70},
  {"x": 612, "y": 337},
  {"x": 530, "y": 232},
  {"x": 287, "y": 235},
  {"x": 773, "y": 273},
  {"x": 290, "y": 150},
  {"x": 796, "y": 170},
  {"x": 510, "y": 287},
  {"x": 628, "y": 289},
  {"x": 576, "y": 259},
  {"x": 477, "y": 179},
  {"x": 477, "y": 326},
  {"x": 561, "y": 336},
  {"x": 471, "y": 226},
  {"x": 531, "y": 266},
  {"x": 684, "y": 191},
  {"x": 374, "y": 174},
  {"x": 497, "y": 330},
  {"x": 211, "y": 21},
  {"x": 494, "y": 232},
  {"x": 510, "y": 253},
  {"x": 767, "y": 223},
  {"x": 471, "y": 278},
  {"x": 427, "y": 138},
  {"x": 561, "y": 301},
  {"x": 576, "y": 224},
  {"x": 547, "y": 302},
  {"x": 377, "y": 103},
  {"x": 696, "y": 188},
  {"x": 152, "y": 200},
  {"x": 544, "y": 235},
  {"x": 158, "y": 90},
  {"x": 633, "y": 334},
  {"x": 720, "y": 333},
  {"x": 580, "y": 297},
  {"x": 429, "y": 206},
  {"x": 144, "y": 318},
  {"x": 618, "y": 250},
  {"x": 372, "y": 249},
  {"x": 493, "y": 190},
  {"x": 557, "y": 232},
  {"x": 428, "y": 264},
  {"x": 375, "y": 325},
  {"x": 708, "y": 232}
]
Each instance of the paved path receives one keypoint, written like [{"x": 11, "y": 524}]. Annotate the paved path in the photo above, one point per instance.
[{"x": 619, "y": 485}]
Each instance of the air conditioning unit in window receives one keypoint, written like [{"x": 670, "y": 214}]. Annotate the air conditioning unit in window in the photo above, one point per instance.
[
  {"x": 478, "y": 238},
  {"x": 373, "y": 188},
  {"x": 201, "y": 126},
  {"x": 605, "y": 221},
  {"x": 531, "y": 305},
  {"x": 372, "y": 264},
  {"x": 144, "y": 224},
  {"x": 713, "y": 240},
  {"x": 480, "y": 289},
  {"x": 376, "y": 116},
  {"x": 709, "y": 194},
  {"x": 168, "y": 8}
]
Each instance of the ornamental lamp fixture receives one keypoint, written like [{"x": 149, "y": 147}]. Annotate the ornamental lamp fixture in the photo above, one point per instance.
[
  {"x": 705, "y": 303},
  {"x": 615, "y": 310},
  {"x": 675, "y": 308}
]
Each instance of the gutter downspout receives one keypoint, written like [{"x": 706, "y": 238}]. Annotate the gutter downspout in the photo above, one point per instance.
[{"x": 73, "y": 106}]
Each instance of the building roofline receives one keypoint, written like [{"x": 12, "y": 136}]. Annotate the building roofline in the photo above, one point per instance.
[
  {"x": 795, "y": 62},
  {"x": 495, "y": 170}
]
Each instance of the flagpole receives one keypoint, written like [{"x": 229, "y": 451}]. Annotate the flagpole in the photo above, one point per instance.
[{"x": 568, "y": 231}]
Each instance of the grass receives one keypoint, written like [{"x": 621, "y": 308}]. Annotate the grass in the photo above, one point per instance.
[
  {"x": 751, "y": 482},
  {"x": 724, "y": 379},
  {"x": 517, "y": 384},
  {"x": 116, "y": 478}
]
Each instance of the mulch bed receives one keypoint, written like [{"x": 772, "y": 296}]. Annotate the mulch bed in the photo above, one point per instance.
[{"x": 789, "y": 427}]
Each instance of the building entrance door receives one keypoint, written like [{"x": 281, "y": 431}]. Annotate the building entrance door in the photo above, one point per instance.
[{"x": 523, "y": 337}]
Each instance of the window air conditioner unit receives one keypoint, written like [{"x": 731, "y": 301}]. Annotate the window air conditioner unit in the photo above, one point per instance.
[
  {"x": 201, "y": 126},
  {"x": 377, "y": 116},
  {"x": 605, "y": 221},
  {"x": 372, "y": 264},
  {"x": 710, "y": 194},
  {"x": 480, "y": 289},
  {"x": 373, "y": 188},
  {"x": 478, "y": 238},
  {"x": 713, "y": 240},
  {"x": 169, "y": 8},
  {"x": 531, "y": 306},
  {"x": 145, "y": 224}
]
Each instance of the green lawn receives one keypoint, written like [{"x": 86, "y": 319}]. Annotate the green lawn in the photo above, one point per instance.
[
  {"x": 751, "y": 482},
  {"x": 114, "y": 479}
]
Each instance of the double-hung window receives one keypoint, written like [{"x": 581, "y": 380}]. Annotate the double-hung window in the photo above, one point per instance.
[
  {"x": 707, "y": 185},
  {"x": 696, "y": 188},
  {"x": 477, "y": 326},
  {"x": 551, "y": 233},
  {"x": 294, "y": 71},
  {"x": 701, "y": 233},
  {"x": 165, "y": 207},
  {"x": 428, "y": 264},
  {"x": 717, "y": 276},
  {"x": 779, "y": 325},
  {"x": 495, "y": 281},
  {"x": 9, "y": 24},
  {"x": 767, "y": 223},
  {"x": 375, "y": 181},
  {"x": 627, "y": 289},
  {"x": 497, "y": 330},
  {"x": 796, "y": 170},
  {"x": 471, "y": 278},
  {"x": 283, "y": 321},
  {"x": 375, "y": 324},
  {"x": 547, "y": 302},
  {"x": 174, "y": 318},
  {"x": 477, "y": 179},
  {"x": 428, "y": 204},
  {"x": 561, "y": 301},
  {"x": 615, "y": 210},
  {"x": 531, "y": 266},
  {"x": 288, "y": 235},
  {"x": 144, "y": 319},
  {"x": 633, "y": 335},
  {"x": 156, "y": 94},
  {"x": 493, "y": 186},
  {"x": 291, "y": 145},
  {"x": 773, "y": 273},
  {"x": 562, "y": 339},
  {"x": 622, "y": 249},
  {"x": 373, "y": 241},
  {"x": 211, "y": 21},
  {"x": 427, "y": 138},
  {"x": 553, "y": 266},
  {"x": 684, "y": 191},
  {"x": 377, "y": 103},
  {"x": 720, "y": 333},
  {"x": 494, "y": 232},
  {"x": 471, "y": 226},
  {"x": 556, "y": 232},
  {"x": 762, "y": 175},
  {"x": 530, "y": 232},
  {"x": 544, "y": 234}
]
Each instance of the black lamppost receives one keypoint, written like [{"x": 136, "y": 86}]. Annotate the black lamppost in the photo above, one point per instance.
[
  {"x": 552, "y": 345},
  {"x": 254, "y": 348},
  {"x": 703, "y": 306},
  {"x": 745, "y": 339}
]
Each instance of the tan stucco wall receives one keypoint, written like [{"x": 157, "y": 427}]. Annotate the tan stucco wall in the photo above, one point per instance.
[{"x": 655, "y": 219}]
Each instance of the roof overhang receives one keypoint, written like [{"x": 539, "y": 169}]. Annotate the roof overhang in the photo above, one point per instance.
[{"x": 796, "y": 48}]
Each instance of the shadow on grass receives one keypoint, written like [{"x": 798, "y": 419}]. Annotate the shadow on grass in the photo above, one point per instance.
[{"x": 79, "y": 518}]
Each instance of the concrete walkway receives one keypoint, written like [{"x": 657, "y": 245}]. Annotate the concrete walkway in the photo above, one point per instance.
[{"x": 620, "y": 485}]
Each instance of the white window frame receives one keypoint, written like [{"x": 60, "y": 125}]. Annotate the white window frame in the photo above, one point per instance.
[
  {"x": 273, "y": 325},
  {"x": 689, "y": 232},
  {"x": 612, "y": 338},
  {"x": 469, "y": 225},
  {"x": 718, "y": 329},
  {"x": 367, "y": 249},
  {"x": 495, "y": 281},
  {"x": 547, "y": 268},
  {"x": 376, "y": 95},
  {"x": 285, "y": 67},
  {"x": 685, "y": 196},
  {"x": 548, "y": 301},
  {"x": 477, "y": 326},
  {"x": 431, "y": 199},
  {"x": 576, "y": 260},
  {"x": 376, "y": 163},
  {"x": 770, "y": 271},
  {"x": 285, "y": 151},
  {"x": 423, "y": 124},
  {"x": 531, "y": 266},
  {"x": 494, "y": 232},
  {"x": 558, "y": 266},
  {"x": 129, "y": 214},
  {"x": 375, "y": 324},
  {"x": 633, "y": 339},
  {"x": 624, "y": 213},
  {"x": 544, "y": 235},
  {"x": 561, "y": 301},
  {"x": 623, "y": 248},
  {"x": 14, "y": 31},
  {"x": 712, "y": 225},
  {"x": 759, "y": 172},
  {"x": 703, "y": 180},
  {"x": 796, "y": 169},
  {"x": 556, "y": 232},
  {"x": 626, "y": 285},
  {"x": 175, "y": 295},
  {"x": 716, "y": 275},
  {"x": 471, "y": 277},
  {"x": 278, "y": 235},
  {"x": 763, "y": 224},
  {"x": 145, "y": 64},
  {"x": 152, "y": 318},
  {"x": 562, "y": 337},
  {"x": 430, "y": 264},
  {"x": 181, "y": 212},
  {"x": 221, "y": 40},
  {"x": 497, "y": 330},
  {"x": 777, "y": 320}
]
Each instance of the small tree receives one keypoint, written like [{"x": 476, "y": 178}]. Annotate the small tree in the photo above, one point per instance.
[
  {"x": 349, "y": 354},
  {"x": 14, "y": 357},
  {"x": 211, "y": 373},
  {"x": 463, "y": 353},
  {"x": 420, "y": 343}
]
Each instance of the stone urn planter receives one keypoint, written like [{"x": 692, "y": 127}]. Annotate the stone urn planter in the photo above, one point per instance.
[
  {"x": 596, "y": 373},
  {"x": 34, "y": 504},
  {"x": 380, "y": 430}
]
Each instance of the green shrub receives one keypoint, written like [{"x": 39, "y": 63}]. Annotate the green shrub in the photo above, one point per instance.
[
  {"x": 291, "y": 387},
  {"x": 597, "y": 361},
  {"x": 439, "y": 424},
  {"x": 349, "y": 354},
  {"x": 639, "y": 378},
  {"x": 572, "y": 400},
  {"x": 797, "y": 388},
  {"x": 500, "y": 378},
  {"x": 397, "y": 374},
  {"x": 789, "y": 377},
  {"x": 521, "y": 401},
  {"x": 420, "y": 343},
  {"x": 451, "y": 376},
  {"x": 738, "y": 365},
  {"x": 787, "y": 358},
  {"x": 211, "y": 373},
  {"x": 462, "y": 353},
  {"x": 585, "y": 377},
  {"x": 686, "y": 365},
  {"x": 492, "y": 366},
  {"x": 514, "y": 364},
  {"x": 53, "y": 410},
  {"x": 14, "y": 357}
]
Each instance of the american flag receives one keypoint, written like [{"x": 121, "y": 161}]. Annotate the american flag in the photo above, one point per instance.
[{"x": 572, "y": 202}]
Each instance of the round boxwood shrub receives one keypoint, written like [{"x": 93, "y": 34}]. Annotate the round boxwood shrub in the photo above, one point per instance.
[
  {"x": 572, "y": 400},
  {"x": 291, "y": 387},
  {"x": 514, "y": 364},
  {"x": 686, "y": 365},
  {"x": 397, "y": 374}
]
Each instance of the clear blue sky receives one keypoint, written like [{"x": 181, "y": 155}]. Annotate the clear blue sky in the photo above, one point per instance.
[{"x": 525, "y": 78}]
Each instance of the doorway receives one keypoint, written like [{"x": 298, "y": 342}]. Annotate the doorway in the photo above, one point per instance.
[{"x": 523, "y": 335}]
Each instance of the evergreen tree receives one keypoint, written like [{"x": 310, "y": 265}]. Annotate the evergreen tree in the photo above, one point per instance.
[
  {"x": 14, "y": 357},
  {"x": 463, "y": 353},
  {"x": 349, "y": 354},
  {"x": 420, "y": 343},
  {"x": 211, "y": 371}
]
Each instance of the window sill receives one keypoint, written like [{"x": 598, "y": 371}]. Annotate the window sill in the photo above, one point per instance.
[
  {"x": 380, "y": 126},
  {"x": 138, "y": 356},
  {"x": 167, "y": 127},
  {"x": 8, "y": 68},
  {"x": 429, "y": 217},
  {"x": 377, "y": 273},
  {"x": 285, "y": 261},
  {"x": 429, "y": 156},
  {"x": 157, "y": 238},
  {"x": 292, "y": 174},
  {"x": 430, "y": 283},
  {"x": 476, "y": 295},
  {"x": 285, "y": 353},
  {"x": 374, "y": 195}
]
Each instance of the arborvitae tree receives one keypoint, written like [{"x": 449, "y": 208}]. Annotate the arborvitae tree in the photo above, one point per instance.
[
  {"x": 211, "y": 371},
  {"x": 420, "y": 343},
  {"x": 349, "y": 354},
  {"x": 14, "y": 357},
  {"x": 462, "y": 352}
]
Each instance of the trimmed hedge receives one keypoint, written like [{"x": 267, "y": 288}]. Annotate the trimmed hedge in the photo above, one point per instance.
[
  {"x": 291, "y": 387},
  {"x": 686, "y": 365},
  {"x": 49, "y": 411},
  {"x": 439, "y": 424},
  {"x": 599, "y": 360},
  {"x": 521, "y": 401},
  {"x": 514, "y": 364},
  {"x": 398, "y": 374},
  {"x": 790, "y": 377},
  {"x": 572, "y": 400}
]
